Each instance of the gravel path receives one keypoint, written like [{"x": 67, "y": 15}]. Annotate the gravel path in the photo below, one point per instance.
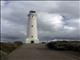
[{"x": 40, "y": 52}]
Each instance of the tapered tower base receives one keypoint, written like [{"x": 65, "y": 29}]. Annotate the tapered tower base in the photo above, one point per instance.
[{"x": 32, "y": 41}]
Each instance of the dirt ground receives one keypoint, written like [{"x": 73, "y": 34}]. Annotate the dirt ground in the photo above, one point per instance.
[{"x": 41, "y": 52}]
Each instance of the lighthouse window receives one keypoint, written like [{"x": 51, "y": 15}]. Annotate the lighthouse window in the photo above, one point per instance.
[
  {"x": 32, "y": 25},
  {"x": 32, "y": 15},
  {"x": 32, "y": 36}
]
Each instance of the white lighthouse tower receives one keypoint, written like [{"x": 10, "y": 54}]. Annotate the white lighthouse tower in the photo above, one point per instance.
[{"x": 32, "y": 34}]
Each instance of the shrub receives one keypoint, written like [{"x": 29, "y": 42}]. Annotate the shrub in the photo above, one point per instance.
[
  {"x": 43, "y": 42},
  {"x": 64, "y": 45},
  {"x": 51, "y": 45},
  {"x": 18, "y": 43}
]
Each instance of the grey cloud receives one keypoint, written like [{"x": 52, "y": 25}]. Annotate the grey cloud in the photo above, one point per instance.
[
  {"x": 68, "y": 9},
  {"x": 14, "y": 19},
  {"x": 42, "y": 0}
]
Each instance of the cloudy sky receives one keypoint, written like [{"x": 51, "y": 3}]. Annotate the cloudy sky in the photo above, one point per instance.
[
  {"x": 56, "y": 19},
  {"x": 40, "y": 0}
]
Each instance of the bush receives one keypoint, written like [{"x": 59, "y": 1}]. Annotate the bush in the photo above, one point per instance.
[
  {"x": 51, "y": 45},
  {"x": 64, "y": 45},
  {"x": 18, "y": 43},
  {"x": 43, "y": 42},
  {"x": 57, "y": 45}
]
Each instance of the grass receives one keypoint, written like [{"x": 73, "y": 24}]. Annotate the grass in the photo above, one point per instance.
[{"x": 7, "y": 48}]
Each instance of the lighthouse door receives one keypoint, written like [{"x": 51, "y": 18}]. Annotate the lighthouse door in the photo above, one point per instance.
[{"x": 32, "y": 42}]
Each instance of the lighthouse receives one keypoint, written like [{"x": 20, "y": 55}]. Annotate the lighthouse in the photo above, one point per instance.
[{"x": 32, "y": 34}]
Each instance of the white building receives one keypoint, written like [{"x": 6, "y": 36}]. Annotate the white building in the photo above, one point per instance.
[{"x": 32, "y": 34}]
